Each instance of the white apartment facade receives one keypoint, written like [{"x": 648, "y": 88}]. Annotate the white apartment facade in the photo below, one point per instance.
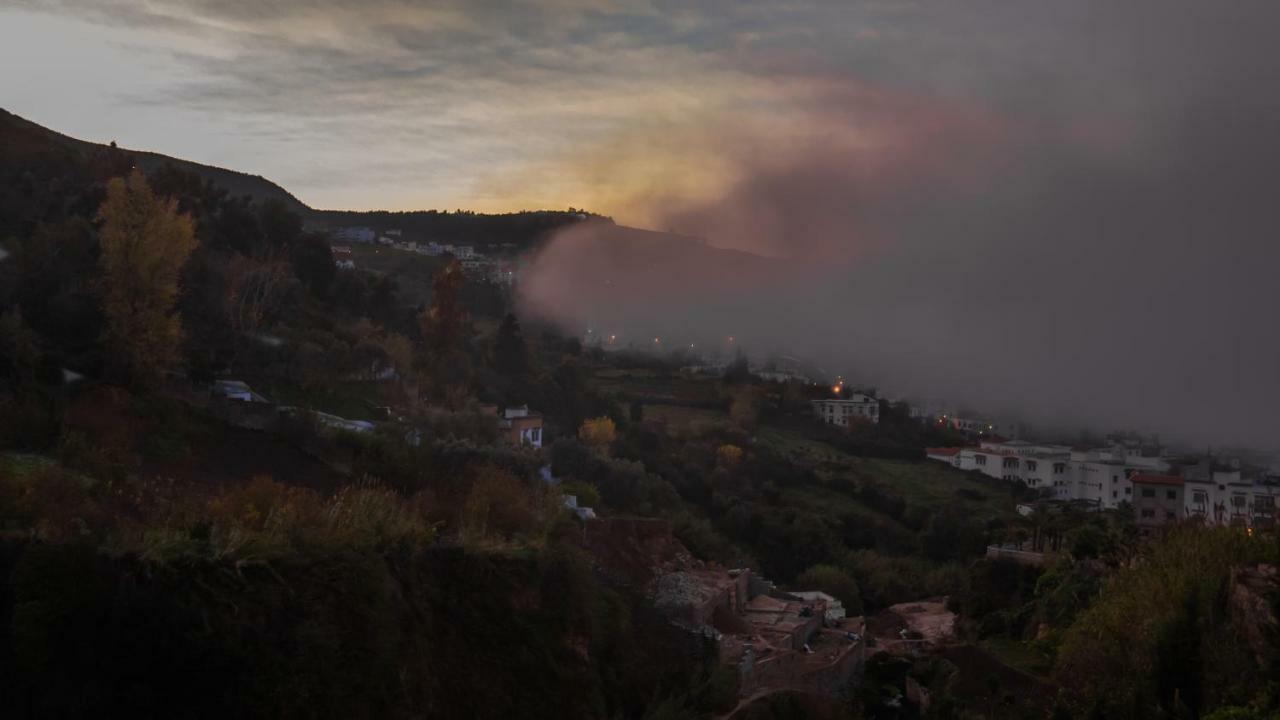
[
  {"x": 1103, "y": 477},
  {"x": 845, "y": 411},
  {"x": 1099, "y": 476}
]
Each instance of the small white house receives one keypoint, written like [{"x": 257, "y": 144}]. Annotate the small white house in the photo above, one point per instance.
[{"x": 235, "y": 390}]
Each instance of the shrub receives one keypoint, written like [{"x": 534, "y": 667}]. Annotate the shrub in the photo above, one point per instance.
[{"x": 834, "y": 582}]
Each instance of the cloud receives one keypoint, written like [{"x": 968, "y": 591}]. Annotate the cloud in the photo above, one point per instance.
[{"x": 1060, "y": 214}]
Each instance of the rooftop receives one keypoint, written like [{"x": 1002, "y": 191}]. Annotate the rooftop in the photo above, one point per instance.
[{"x": 946, "y": 451}]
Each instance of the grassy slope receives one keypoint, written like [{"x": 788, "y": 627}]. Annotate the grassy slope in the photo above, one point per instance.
[
  {"x": 412, "y": 272},
  {"x": 924, "y": 483}
]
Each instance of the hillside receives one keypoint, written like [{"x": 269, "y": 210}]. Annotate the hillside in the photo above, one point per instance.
[
  {"x": 33, "y": 155},
  {"x": 23, "y": 143}
]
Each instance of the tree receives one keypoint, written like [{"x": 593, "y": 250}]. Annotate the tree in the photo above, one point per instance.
[
  {"x": 510, "y": 355},
  {"x": 497, "y": 504},
  {"x": 728, "y": 456},
  {"x": 312, "y": 261},
  {"x": 599, "y": 433},
  {"x": 744, "y": 407},
  {"x": 144, "y": 245},
  {"x": 444, "y": 326},
  {"x": 442, "y": 323},
  {"x": 834, "y": 582},
  {"x": 254, "y": 293}
]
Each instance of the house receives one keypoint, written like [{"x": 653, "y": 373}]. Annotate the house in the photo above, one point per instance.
[
  {"x": 1219, "y": 494},
  {"x": 1157, "y": 500},
  {"x": 950, "y": 456},
  {"x": 342, "y": 257},
  {"x": 235, "y": 390},
  {"x": 363, "y": 235},
  {"x": 521, "y": 427},
  {"x": 842, "y": 412}
]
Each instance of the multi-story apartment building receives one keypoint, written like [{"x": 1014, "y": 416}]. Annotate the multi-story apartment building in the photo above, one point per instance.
[
  {"x": 843, "y": 411},
  {"x": 1209, "y": 492}
]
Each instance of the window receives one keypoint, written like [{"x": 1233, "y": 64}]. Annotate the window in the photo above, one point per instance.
[
  {"x": 1115, "y": 493},
  {"x": 1059, "y": 468},
  {"x": 1011, "y": 462},
  {"x": 1148, "y": 513},
  {"x": 1199, "y": 497},
  {"x": 1128, "y": 491},
  {"x": 1171, "y": 494},
  {"x": 1148, "y": 492},
  {"x": 1031, "y": 465},
  {"x": 1264, "y": 503},
  {"x": 980, "y": 459},
  {"x": 1170, "y": 515},
  {"x": 1237, "y": 501}
]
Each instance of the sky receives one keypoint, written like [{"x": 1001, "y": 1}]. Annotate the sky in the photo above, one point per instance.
[{"x": 1064, "y": 210}]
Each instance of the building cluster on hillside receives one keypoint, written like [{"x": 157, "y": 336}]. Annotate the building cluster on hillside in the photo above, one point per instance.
[
  {"x": 1159, "y": 487},
  {"x": 475, "y": 264},
  {"x": 774, "y": 639}
]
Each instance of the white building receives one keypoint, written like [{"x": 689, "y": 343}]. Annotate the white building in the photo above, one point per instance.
[
  {"x": 842, "y": 412},
  {"x": 522, "y": 426},
  {"x": 1099, "y": 476},
  {"x": 1218, "y": 494},
  {"x": 355, "y": 234},
  {"x": 1214, "y": 494}
]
